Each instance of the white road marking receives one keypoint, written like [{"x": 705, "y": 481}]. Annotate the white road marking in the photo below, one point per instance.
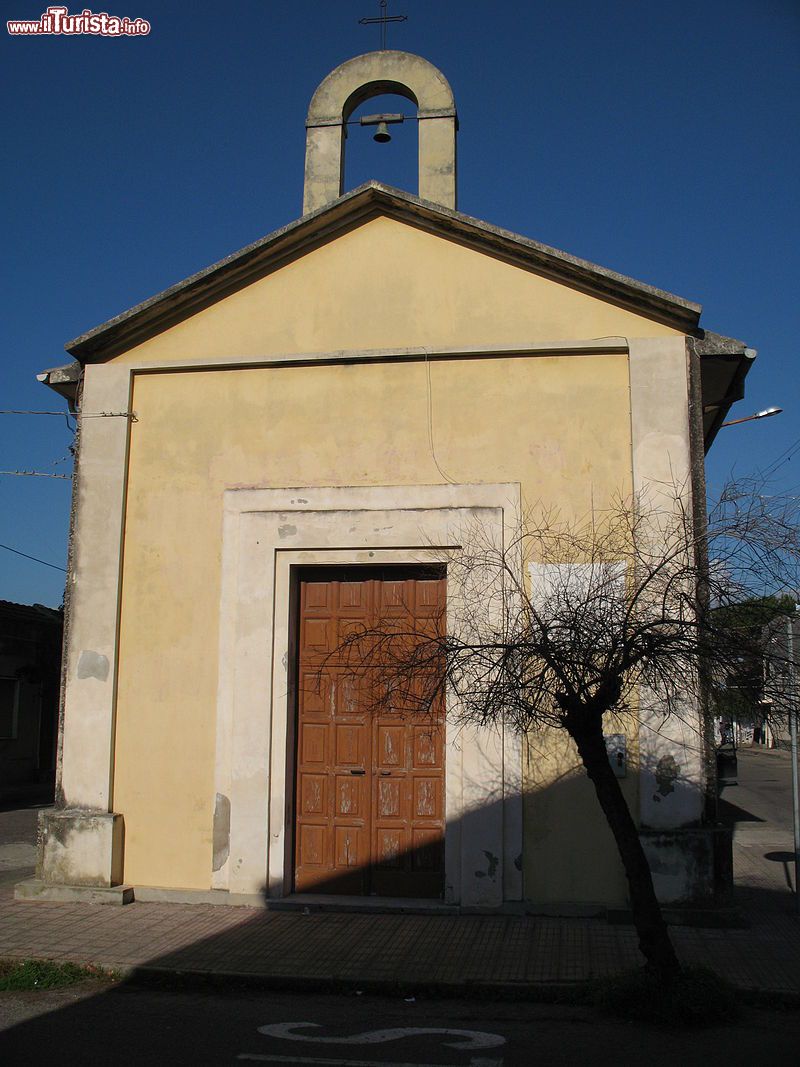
[
  {"x": 261, "y": 1058},
  {"x": 471, "y": 1039}
]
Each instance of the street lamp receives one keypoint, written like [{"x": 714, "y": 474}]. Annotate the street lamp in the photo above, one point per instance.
[{"x": 765, "y": 414}]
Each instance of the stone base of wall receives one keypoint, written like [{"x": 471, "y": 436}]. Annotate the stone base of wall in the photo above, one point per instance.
[
  {"x": 34, "y": 889},
  {"x": 80, "y": 848},
  {"x": 691, "y": 866}
]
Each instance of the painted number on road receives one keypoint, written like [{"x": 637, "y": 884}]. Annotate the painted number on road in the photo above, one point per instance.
[{"x": 466, "y": 1040}]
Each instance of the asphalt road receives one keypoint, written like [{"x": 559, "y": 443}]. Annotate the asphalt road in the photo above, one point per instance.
[
  {"x": 763, "y": 793},
  {"x": 18, "y": 829},
  {"x": 142, "y": 1027}
]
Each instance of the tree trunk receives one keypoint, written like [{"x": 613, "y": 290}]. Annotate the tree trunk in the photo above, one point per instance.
[{"x": 654, "y": 940}]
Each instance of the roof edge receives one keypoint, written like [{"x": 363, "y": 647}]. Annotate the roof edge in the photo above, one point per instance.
[
  {"x": 164, "y": 309},
  {"x": 736, "y": 358},
  {"x": 64, "y": 380}
]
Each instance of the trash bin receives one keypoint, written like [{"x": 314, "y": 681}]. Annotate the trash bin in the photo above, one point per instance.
[{"x": 727, "y": 764}]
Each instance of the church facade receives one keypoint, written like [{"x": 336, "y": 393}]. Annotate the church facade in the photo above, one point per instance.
[{"x": 297, "y": 435}]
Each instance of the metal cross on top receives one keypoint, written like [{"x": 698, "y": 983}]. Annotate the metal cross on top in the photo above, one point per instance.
[{"x": 383, "y": 20}]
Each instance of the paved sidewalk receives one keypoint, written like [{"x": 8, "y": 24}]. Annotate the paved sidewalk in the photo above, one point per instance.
[
  {"x": 460, "y": 953},
  {"x": 321, "y": 948}
]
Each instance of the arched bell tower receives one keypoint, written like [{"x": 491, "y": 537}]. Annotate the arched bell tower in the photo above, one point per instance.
[{"x": 360, "y": 79}]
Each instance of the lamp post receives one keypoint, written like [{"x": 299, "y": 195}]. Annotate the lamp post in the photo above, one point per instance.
[{"x": 765, "y": 414}]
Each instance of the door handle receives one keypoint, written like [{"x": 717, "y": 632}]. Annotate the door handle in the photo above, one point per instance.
[{"x": 360, "y": 771}]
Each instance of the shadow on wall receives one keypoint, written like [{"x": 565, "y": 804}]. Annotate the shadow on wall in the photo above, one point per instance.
[
  {"x": 570, "y": 856},
  {"x": 370, "y": 864},
  {"x": 567, "y": 836}
]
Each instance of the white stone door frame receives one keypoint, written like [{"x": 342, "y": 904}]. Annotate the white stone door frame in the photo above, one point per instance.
[{"x": 266, "y": 534}]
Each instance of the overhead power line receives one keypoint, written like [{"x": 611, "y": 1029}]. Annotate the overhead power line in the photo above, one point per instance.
[
  {"x": 76, "y": 414},
  {"x": 35, "y": 559},
  {"x": 37, "y": 474},
  {"x": 784, "y": 457}
]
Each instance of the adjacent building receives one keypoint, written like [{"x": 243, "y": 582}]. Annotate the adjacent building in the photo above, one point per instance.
[{"x": 30, "y": 675}]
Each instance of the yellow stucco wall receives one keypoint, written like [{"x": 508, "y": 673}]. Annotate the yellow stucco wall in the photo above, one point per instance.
[
  {"x": 387, "y": 284},
  {"x": 560, "y": 425}
]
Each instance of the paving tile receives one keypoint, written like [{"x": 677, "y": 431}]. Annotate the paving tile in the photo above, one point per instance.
[{"x": 410, "y": 948}]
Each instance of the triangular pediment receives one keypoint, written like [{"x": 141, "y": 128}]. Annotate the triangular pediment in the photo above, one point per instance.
[{"x": 378, "y": 255}]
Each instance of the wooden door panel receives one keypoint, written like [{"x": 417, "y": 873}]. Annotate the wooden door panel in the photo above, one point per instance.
[
  {"x": 369, "y": 804},
  {"x": 317, "y": 595},
  {"x": 393, "y": 599},
  {"x": 427, "y": 850},
  {"x": 390, "y": 750},
  {"x": 389, "y": 801},
  {"x": 314, "y": 744},
  {"x": 391, "y": 850},
  {"x": 428, "y": 747},
  {"x": 351, "y": 847},
  {"x": 352, "y": 745},
  {"x": 351, "y": 804},
  {"x": 312, "y": 694},
  {"x": 317, "y": 635},
  {"x": 313, "y": 794},
  {"x": 349, "y": 630},
  {"x": 350, "y": 698},
  {"x": 426, "y": 798},
  {"x": 312, "y": 845},
  {"x": 354, "y": 596}
]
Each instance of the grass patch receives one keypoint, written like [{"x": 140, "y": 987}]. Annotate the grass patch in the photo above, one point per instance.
[
  {"x": 695, "y": 997},
  {"x": 17, "y": 975}
]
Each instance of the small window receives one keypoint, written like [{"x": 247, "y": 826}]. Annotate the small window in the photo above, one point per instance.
[{"x": 9, "y": 695}]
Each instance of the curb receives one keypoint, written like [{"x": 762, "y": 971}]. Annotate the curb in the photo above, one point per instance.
[
  {"x": 562, "y": 991},
  {"x": 543, "y": 992},
  {"x": 575, "y": 992}
]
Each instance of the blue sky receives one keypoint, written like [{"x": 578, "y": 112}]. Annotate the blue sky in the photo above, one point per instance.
[{"x": 657, "y": 139}]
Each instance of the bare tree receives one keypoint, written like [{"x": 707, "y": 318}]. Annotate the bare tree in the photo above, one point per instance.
[
  {"x": 755, "y": 693},
  {"x": 574, "y": 622}
]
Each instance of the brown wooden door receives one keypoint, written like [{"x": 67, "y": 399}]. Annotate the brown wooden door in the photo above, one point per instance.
[{"x": 369, "y": 798}]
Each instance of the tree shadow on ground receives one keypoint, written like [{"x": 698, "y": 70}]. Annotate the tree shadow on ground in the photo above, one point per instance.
[
  {"x": 730, "y": 814},
  {"x": 169, "y": 1012},
  {"x": 317, "y": 951}
]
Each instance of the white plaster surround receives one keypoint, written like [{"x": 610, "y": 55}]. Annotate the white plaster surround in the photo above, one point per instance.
[
  {"x": 267, "y": 532},
  {"x": 661, "y": 443},
  {"x": 90, "y": 648}
]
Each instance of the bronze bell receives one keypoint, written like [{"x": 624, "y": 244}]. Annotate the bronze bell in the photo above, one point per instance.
[{"x": 382, "y": 134}]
